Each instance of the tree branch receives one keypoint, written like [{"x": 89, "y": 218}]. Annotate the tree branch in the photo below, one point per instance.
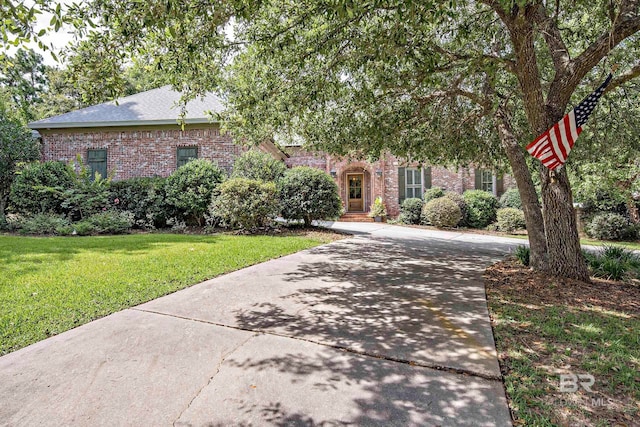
[
  {"x": 623, "y": 78},
  {"x": 553, "y": 38}
]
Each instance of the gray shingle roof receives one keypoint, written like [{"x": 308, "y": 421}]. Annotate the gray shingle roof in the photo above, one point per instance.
[{"x": 156, "y": 106}]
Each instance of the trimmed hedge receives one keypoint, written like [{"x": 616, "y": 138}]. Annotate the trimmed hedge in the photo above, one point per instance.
[
  {"x": 144, "y": 198},
  {"x": 40, "y": 187},
  {"x": 442, "y": 212},
  {"x": 610, "y": 226},
  {"x": 244, "y": 203},
  {"x": 255, "y": 164},
  {"x": 482, "y": 208},
  {"x": 411, "y": 210},
  {"x": 309, "y": 194},
  {"x": 190, "y": 188},
  {"x": 510, "y": 220},
  {"x": 432, "y": 193},
  {"x": 511, "y": 199},
  {"x": 459, "y": 200}
]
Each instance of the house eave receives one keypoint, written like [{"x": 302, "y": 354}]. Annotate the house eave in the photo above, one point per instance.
[{"x": 66, "y": 125}]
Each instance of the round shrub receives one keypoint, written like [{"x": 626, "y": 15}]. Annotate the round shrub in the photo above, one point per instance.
[
  {"x": 255, "y": 164},
  {"x": 190, "y": 188},
  {"x": 309, "y": 194},
  {"x": 442, "y": 212},
  {"x": 245, "y": 203},
  {"x": 482, "y": 207},
  {"x": 610, "y": 226},
  {"x": 41, "y": 187},
  {"x": 459, "y": 200},
  {"x": 510, "y": 220},
  {"x": 511, "y": 199},
  {"x": 144, "y": 198},
  {"x": 410, "y": 210},
  {"x": 432, "y": 193}
]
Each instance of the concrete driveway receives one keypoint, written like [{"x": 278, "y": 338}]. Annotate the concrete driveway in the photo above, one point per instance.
[{"x": 389, "y": 327}]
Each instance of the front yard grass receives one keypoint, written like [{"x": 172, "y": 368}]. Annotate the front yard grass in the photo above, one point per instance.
[
  {"x": 52, "y": 284},
  {"x": 545, "y": 327}
]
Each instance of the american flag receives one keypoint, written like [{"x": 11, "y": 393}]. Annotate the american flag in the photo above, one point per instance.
[{"x": 552, "y": 147}]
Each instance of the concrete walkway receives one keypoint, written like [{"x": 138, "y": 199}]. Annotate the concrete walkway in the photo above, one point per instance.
[{"x": 389, "y": 327}]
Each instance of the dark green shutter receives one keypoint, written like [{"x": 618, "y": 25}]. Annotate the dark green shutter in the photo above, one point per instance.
[
  {"x": 499, "y": 186},
  {"x": 478, "y": 185},
  {"x": 97, "y": 162},
  {"x": 401, "y": 186},
  {"x": 185, "y": 154},
  {"x": 426, "y": 179}
]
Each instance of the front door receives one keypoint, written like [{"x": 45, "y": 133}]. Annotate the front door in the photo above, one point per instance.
[{"x": 355, "y": 202}]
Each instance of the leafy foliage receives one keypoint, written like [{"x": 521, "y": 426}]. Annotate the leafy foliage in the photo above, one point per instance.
[
  {"x": 108, "y": 222},
  {"x": 459, "y": 200},
  {"x": 16, "y": 146},
  {"x": 378, "y": 209},
  {"x": 432, "y": 193},
  {"x": 523, "y": 253},
  {"x": 144, "y": 198},
  {"x": 23, "y": 78},
  {"x": 610, "y": 226},
  {"x": 511, "y": 199},
  {"x": 442, "y": 212},
  {"x": 613, "y": 262},
  {"x": 510, "y": 220},
  {"x": 41, "y": 187},
  {"x": 482, "y": 207},
  {"x": 42, "y": 223},
  {"x": 255, "y": 164},
  {"x": 245, "y": 203},
  {"x": 309, "y": 194},
  {"x": 85, "y": 196},
  {"x": 190, "y": 188},
  {"x": 411, "y": 210}
]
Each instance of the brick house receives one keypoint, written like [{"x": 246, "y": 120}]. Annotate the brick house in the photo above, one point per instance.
[
  {"x": 140, "y": 136},
  {"x": 393, "y": 179}
]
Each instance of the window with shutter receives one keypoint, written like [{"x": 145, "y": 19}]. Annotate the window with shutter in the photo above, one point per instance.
[
  {"x": 97, "y": 162},
  {"x": 413, "y": 183},
  {"x": 186, "y": 154}
]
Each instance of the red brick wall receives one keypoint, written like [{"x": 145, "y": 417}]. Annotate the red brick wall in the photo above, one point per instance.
[{"x": 134, "y": 153}]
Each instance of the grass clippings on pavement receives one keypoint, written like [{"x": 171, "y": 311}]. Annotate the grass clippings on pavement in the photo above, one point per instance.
[
  {"x": 546, "y": 327},
  {"x": 52, "y": 284}
]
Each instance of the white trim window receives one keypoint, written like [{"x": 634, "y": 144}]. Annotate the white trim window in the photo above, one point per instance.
[
  {"x": 413, "y": 185},
  {"x": 488, "y": 182}
]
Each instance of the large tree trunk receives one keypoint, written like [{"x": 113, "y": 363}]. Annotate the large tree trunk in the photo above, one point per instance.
[
  {"x": 530, "y": 203},
  {"x": 563, "y": 242}
]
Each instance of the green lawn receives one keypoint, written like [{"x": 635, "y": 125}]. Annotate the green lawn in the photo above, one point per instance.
[{"x": 52, "y": 284}]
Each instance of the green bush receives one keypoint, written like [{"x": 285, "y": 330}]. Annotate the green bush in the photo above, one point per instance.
[
  {"x": 245, "y": 203},
  {"x": 309, "y": 194},
  {"x": 511, "y": 199},
  {"x": 86, "y": 196},
  {"x": 464, "y": 210},
  {"x": 613, "y": 262},
  {"x": 40, "y": 187},
  {"x": 432, "y": 193},
  {"x": 411, "y": 210},
  {"x": 255, "y": 164},
  {"x": 510, "y": 220},
  {"x": 144, "y": 198},
  {"x": 610, "y": 226},
  {"x": 442, "y": 212},
  {"x": 482, "y": 208},
  {"x": 84, "y": 228},
  {"x": 41, "y": 223},
  {"x": 190, "y": 188},
  {"x": 110, "y": 222},
  {"x": 523, "y": 253}
]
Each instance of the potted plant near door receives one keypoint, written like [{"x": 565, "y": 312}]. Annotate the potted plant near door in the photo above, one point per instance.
[{"x": 378, "y": 210}]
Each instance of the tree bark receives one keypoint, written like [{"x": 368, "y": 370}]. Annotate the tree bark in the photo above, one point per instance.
[
  {"x": 563, "y": 242},
  {"x": 530, "y": 202}
]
